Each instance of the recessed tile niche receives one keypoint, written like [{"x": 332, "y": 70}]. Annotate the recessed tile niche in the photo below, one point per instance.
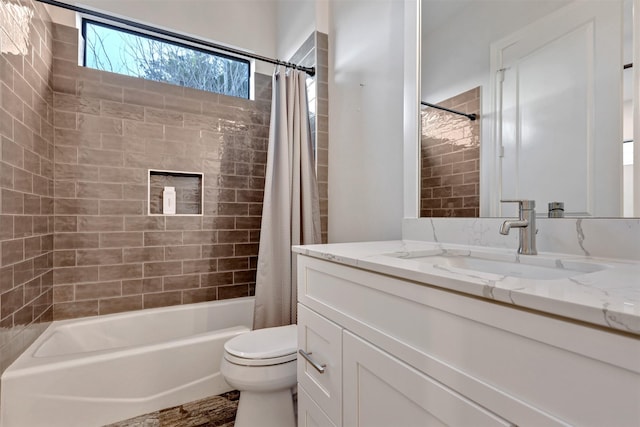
[{"x": 188, "y": 187}]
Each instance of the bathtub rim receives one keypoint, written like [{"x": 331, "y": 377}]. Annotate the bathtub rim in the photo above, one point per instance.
[{"x": 28, "y": 363}]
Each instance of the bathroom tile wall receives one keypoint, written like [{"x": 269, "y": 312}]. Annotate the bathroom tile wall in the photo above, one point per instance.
[
  {"x": 450, "y": 159},
  {"x": 314, "y": 53},
  {"x": 109, "y": 255},
  {"x": 26, "y": 176}
]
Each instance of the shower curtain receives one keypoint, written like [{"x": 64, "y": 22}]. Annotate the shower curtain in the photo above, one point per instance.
[{"x": 291, "y": 210}]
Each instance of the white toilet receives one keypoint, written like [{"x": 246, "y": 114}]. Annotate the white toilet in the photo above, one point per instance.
[{"x": 261, "y": 364}]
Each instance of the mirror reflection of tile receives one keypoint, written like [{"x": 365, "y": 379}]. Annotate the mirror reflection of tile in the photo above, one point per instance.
[{"x": 450, "y": 159}]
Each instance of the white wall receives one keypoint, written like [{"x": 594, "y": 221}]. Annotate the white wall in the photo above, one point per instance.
[
  {"x": 245, "y": 24},
  {"x": 365, "y": 120},
  {"x": 295, "y": 21}
]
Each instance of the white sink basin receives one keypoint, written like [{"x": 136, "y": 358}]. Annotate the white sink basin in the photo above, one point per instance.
[{"x": 527, "y": 267}]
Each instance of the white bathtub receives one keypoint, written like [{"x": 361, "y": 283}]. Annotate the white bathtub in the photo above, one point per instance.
[{"x": 99, "y": 370}]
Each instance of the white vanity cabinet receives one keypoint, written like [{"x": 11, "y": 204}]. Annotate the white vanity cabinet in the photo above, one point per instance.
[{"x": 411, "y": 354}]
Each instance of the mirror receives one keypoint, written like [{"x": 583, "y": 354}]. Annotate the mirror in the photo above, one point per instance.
[{"x": 553, "y": 98}]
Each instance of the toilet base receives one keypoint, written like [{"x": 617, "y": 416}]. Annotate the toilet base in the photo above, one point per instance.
[{"x": 272, "y": 409}]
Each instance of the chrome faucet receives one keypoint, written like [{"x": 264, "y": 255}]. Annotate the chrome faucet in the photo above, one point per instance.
[{"x": 526, "y": 223}]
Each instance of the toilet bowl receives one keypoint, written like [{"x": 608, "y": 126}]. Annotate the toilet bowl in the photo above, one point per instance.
[{"x": 262, "y": 365}]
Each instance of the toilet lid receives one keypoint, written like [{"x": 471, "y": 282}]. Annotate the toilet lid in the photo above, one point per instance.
[{"x": 268, "y": 343}]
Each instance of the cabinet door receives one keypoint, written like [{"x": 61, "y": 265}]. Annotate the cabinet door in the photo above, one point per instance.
[
  {"x": 309, "y": 413},
  {"x": 380, "y": 390},
  {"x": 322, "y": 340}
]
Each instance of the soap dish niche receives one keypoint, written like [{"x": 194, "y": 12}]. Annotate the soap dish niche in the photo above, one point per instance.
[{"x": 175, "y": 191}]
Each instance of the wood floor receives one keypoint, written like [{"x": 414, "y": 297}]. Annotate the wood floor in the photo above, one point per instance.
[{"x": 215, "y": 411}]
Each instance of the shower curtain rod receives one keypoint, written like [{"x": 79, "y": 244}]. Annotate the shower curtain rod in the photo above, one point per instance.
[
  {"x": 471, "y": 117},
  {"x": 311, "y": 71}
]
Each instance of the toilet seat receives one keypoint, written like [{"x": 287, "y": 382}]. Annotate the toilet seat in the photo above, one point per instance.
[{"x": 263, "y": 347}]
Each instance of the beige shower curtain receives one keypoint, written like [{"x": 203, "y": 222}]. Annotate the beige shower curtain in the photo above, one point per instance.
[{"x": 291, "y": 211}]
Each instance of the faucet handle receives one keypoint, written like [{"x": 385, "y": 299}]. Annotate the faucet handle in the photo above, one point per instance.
[{"x": 523, "y": 204}]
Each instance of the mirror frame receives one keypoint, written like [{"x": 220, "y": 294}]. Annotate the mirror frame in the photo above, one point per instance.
[{"x": 412, "y": 89}]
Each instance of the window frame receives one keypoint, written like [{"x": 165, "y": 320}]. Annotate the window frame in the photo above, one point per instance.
[{"x": 162, "y": 39}]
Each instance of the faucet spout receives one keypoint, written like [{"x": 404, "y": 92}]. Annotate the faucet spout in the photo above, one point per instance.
[
  {"x": 527, "y": 225},
  {"x": 508, "y": 224}
]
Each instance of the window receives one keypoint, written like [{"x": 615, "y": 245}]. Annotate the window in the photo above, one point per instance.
[{"x": 123, "y": 51}]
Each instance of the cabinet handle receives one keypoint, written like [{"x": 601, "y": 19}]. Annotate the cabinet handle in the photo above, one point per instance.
[{"x": 307, "y": 356}]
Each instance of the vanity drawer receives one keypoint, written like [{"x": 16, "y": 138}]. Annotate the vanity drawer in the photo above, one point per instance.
[
  {"x": 321, "y": 339},
  {"x": 309, "y": 413}
]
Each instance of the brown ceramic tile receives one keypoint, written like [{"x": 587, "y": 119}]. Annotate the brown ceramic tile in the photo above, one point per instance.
[
  {"x": 233, "y": 291},
  {"x": 121, "y": 271},
  {"x": 12, "y": 202},
  {"x": 71, "y": 310},
  {"x": 98, "y": 290},
  {"x": 218, "y": 251},
  {"x": 87, "y": 156},
  {"x": 76, "y": 240},
  {"x": 227, "y": 264},
  {"x": 11, "y": 301},
  {"x": 246, "y": 276},
  {"x": 162, "y": 299},
  {"x": 144, "y": 98},
  {"x": 117, "y": 305},
  {"x": 22, "y": 226},
  {"x": 100, "y": 223},
  {"x": 134, "y": 192},
  {"x": 63, "y": 293},
  {"x": 183, "y": 223},
  {"x": 73, "y": 172},
  {"x": 94, "y": 89},
  {"x": 216, "y": 279},
  {"x": 32, "y": 289},
  {"x": 164, "y": 238},
  {"x": 65, "y": 258},
  {"x": 143, "y": 130},
  {"x": 6, "y": 279},
  {"x": 12, "y": 153},
  {"x": 464, "y": 190},
  {"x": 173, "y": 283},
  {"x": 167, "y": 268},
  {"x": 67, "y": 275},
  {"x": 200, "y": 266},
  {"x": 247, "y": 223},
  {"x": 132, "y": 287},
  {"x": 6, "y": 227},
  {"x": 164, "y": 117},
  {"x": 23, "y": 272},
  {"x": 122, "y": 111},
  {"x": 182, "y": 252},
  {"x": 151, "y": 285},
  {"x": 143, "y": 254},
  {"x": 225, "y": 236},
  {"x": 121, "y": 207},
  {"x": 91, "y": 190},
  {"x": 199, "y": 295},
  {"x": 121, "y": 240},
  {"x": 218, "y": 223},
  {"x": 12, "y": 251},
  {"x": 99, "y": 256},
  {"x": 76, "y": 207},
  {"x": 66, "y": 223},
  {"x": 173, "y": 133},
  {"x": 121, "y": 175},
  {"x": 75, "y": 104}
]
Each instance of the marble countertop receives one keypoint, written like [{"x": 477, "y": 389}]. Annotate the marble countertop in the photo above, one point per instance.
[{"x": 609, "y": 297}]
